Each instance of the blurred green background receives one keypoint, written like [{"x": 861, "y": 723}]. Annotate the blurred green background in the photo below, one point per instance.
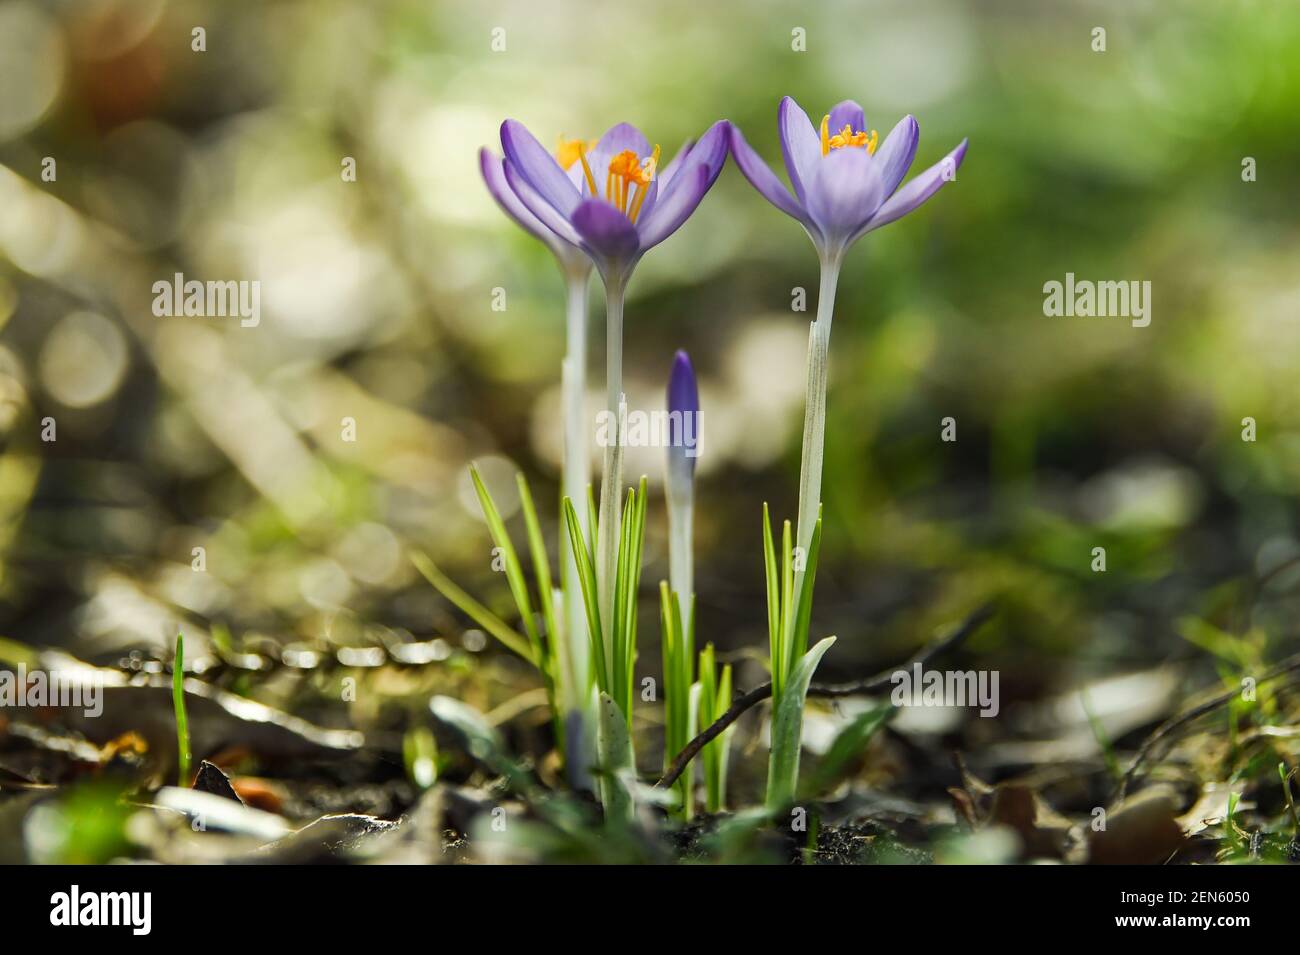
[{"x": 1073, "y": 433}]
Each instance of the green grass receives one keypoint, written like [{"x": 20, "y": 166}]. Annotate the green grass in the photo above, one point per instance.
[{"x": 182, "y": 721}]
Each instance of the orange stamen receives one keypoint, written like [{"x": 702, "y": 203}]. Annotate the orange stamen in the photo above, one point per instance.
[
  {"x": 847, "y": 137},
  {"x": 586, "y": 169},
  {"x": 629, "y": 179}
]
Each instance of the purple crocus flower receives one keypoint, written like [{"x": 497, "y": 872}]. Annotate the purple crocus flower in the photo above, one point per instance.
[
  {"x": 843, "y": 185},
  {"x": 575, "y": 264},
  {"x": 615, "y": 203}
]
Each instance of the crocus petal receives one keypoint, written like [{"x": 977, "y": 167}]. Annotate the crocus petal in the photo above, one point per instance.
[
  {"x": 684, "y": 401},
  {"x": 801, "y": 145},
  {"x": 683, "y": 395},
  {"x": 710, "y": 151},
  {"x": 895, "y": 155},
  {"x": 689, "y": 187},
  {"x": 848, "y": 114},
  {"x": 538, "y": 167},
  {"x": 921, "y": 187},
  {"x": 679, "y": 198},
  {"x": 494, "y": 176},
  {"x": 666, "y": 173},
  {"x": 844, "y": 192},
  {"x": 608, "y": 233},
  {"x": 538, "y": 206},
  {"x": 577, "y": 175},
  {"x": 762, "y": 178},
  {"x": 617, "y": 139}
]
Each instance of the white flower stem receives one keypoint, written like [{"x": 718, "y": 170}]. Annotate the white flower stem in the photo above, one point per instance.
[
  {"x": 611, "y": 480},
  {"x": 576, "y": 470},
  {"x": 814, "y": 423},
  {"x": 681, "y": 567},
  {"x": 679, "y": 665}
]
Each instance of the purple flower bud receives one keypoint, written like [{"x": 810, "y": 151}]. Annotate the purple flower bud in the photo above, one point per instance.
[{"x": 683, "y": 424}]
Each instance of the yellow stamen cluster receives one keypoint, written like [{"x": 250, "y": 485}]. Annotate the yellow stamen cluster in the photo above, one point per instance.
[
  {"x": 846, "y": 137},
  {"x": 626, "y": 181},
  {"x": 570, "y": 151}
]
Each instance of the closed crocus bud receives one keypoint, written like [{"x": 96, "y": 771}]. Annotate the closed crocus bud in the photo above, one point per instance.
[{"x": 683, "y": 427}]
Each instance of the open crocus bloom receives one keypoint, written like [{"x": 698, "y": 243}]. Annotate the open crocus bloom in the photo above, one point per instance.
[
  {"x": 845, "y": 180},
  {"x": 614, "y": 202}
]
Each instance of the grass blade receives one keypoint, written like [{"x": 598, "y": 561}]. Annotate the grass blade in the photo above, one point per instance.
[
  {"x": 677, "y": 692},
  {"x": 593, "y": 520},
  {"x": 480, "y": 614},
  {"x": 541, "y": 568},
  {"x": 787, "y": 730},
  {"x": 619, "y": 618},
  {"x": 847, "y": 746},
  {"x": 773, "y": 594},
  {"x": 514, "y": 570},
  {"x": 617, "y": 767},
  {"x": 633, "y": 588},
  {"x": 182, "y": 719},
  {"x": 781, "y": 665},
  {"x": 590, "y": 599},
  {"x": 722, "y": 745},
  {"x": 803, "y": 614},
  {"x": 556, "y": 653}
]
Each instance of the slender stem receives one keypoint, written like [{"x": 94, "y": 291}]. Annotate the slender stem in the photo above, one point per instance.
[
  {"x": 611, "y": 481},
  {"x": 783, "y": 762},
  {"x": 573, "y": 387},
  {"x": 814, "y": 424},
  {"x": 679, "y": 662},
  {"x": 814, "y": 439},
  {"x": 681, "y": 567}
]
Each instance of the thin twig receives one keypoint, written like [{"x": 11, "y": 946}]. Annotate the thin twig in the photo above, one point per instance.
[
  {"x": 1168, "y": 727},
  {"x": 823, "y": 690}
]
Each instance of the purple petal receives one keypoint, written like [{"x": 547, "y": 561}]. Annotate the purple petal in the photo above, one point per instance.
[
  {"x": 532, "y": 200},
  {"x": 538, "y": 167},
  {"x": 689, "y": 187},
  {"x": 577, "y": 175},
  {"x": 710, "y": 152},
  {"x": 847, "y": 113},
  {"x": 844, "y": 192},
  {"x": 683, "y": 394},
  {"x": 606, "y": 231},
  {"x": 801, "y": 145},
  {"x": 684, "y": 402},
  {"x": 762, "y": 178},
  {"x": 494, "y": 176},
  {"x": 895, "y": 155},
  {"x": 921, "y": 187},
  {"x": 678, "y": 200},
  {"x": 665, "y": 175},
  {"x": 618, "y": 138}
]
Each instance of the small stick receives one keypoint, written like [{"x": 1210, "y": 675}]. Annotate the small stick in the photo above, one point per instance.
[
  {"x": 1166, "y": 728},
  {"x": 824, "y": 690}
]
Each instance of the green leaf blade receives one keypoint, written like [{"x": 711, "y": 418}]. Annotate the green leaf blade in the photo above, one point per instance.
[{"x": 787, "y": 729}]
